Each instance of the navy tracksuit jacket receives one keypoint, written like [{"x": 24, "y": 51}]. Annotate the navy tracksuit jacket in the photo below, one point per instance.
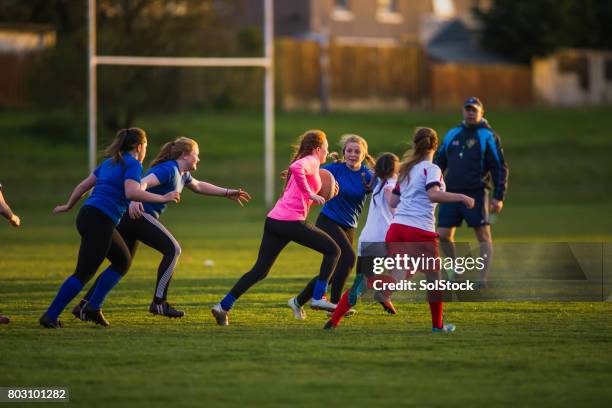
[{"x": 472, "y": 157}]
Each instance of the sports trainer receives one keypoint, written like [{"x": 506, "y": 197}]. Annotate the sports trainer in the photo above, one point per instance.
[{"x": 472, "y": 159}]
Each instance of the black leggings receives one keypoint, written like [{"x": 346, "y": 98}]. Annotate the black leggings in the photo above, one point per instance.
[
  {"x": 277, "y": 234},
  {"x": 343, "y": 237},
  {"x": 148, "y": 230},
  {"x": 99, "y": 239}
]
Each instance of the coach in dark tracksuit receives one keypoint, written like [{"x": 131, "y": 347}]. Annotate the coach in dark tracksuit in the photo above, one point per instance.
[{"x": 472, "y": 159}]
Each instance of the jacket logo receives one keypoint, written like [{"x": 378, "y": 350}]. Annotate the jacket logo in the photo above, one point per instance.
[{"x": 470, "y": 143}]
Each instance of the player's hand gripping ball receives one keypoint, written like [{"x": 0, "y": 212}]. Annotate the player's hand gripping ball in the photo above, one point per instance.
[{"x": 329, "y": 186}]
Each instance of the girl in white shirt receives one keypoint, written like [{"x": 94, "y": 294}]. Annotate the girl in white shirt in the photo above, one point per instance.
[
  {"x": 419, "y": 188},
  {"x": 372, "y": 237}
]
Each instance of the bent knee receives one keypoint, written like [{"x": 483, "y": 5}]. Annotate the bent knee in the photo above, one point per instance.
[
  {"x": 122, "y": 266},
  {"x": 173, "y": 250},
  {"x": 349, "y": 258},
  {"x": 334, "y": 250}
]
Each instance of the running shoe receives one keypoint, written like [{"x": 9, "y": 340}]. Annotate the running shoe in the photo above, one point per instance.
[
  {"x": 220, "y": 315},
  {"x": 95, "y": 316},
  {"x": 78, "y": 310},
  {"x": 329, "y": 325},
  {"x": 446, "y": 328},
  {"x": 164, "y": 309},
  {"x": 385, "y": 302},
  {"x": 349, "y": 313},
  {"x": 46, "y": 322},
  {"x": 298, "y": 311},
  {"x": 322, "y": 304}
]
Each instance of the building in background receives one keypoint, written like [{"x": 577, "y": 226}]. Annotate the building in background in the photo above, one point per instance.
[
  {"x": 573, "y": 77},
  {"x": 360, "y": 21},
  {"x": 386, "y": 54},
  {"x": 360, "y": 55},
  {"x": 20, "y": 46}
]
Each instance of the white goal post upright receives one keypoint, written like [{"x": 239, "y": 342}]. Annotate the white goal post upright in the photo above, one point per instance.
[{"x": 267, "y": 62}]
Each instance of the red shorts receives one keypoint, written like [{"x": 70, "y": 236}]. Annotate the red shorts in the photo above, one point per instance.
[{"x": 402, "y": 239}]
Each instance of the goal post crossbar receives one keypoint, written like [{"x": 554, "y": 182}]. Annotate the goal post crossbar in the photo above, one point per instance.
[
  {"x": 181, "y": 62},
  {"x": 266, "y": 62}
]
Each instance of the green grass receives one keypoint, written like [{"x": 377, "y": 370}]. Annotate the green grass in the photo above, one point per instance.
[
  {"x": 503, "y": 354},
  {"x": 556, "y": 156}
]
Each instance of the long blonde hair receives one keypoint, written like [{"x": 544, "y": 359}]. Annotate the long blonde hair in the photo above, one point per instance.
[
  {"x": 353, "y": 138},
  {"x": 175, "y": 149},
  {"x": 425, "y": 140}
]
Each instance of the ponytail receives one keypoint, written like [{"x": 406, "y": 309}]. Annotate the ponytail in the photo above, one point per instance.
[
  {"x": 369, "y": 160},
  {"x": 424, "y": 140},
  {"x": 175, "y": 149},
  {"x": 384, "y": 169},
  {"x": 126, "y": 140}
]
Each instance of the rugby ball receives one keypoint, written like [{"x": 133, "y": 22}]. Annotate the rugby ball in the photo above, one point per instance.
[{"x": 328, "y": 185}]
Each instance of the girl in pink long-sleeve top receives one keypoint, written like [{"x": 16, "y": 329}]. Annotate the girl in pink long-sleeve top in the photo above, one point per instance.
[{"x": 286, "y": 222}]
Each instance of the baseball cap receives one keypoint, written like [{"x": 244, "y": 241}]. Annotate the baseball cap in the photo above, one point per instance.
[{"x": 473, "y": 102}]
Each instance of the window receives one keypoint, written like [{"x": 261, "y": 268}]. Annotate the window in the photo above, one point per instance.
[
  {"x": 388, "y": 12},
  {"x": 444, "y": 8},
  {"x": 387, "y": 6},
  {"x": 342, "y": 11},
  {"x": 342, "y": 5},
  {"x": 577, "y": 65}
]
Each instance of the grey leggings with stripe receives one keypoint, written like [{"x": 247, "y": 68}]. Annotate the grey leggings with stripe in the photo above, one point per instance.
[{"x": 148, "y": 230}]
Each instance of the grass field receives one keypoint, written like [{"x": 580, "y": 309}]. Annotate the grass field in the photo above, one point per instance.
[{"x": 503, "y": 354}]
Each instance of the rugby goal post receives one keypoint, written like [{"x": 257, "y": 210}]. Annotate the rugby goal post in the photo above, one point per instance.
[{"x": 266, "y": 62}]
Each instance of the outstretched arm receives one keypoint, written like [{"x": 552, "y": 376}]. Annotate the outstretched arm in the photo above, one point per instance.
[
  {"x": 437, "y": 196},
  {"x": 7, "y": 213},
  {"x": 204, "y": 188},
  {"x": 78, "y": 192}
]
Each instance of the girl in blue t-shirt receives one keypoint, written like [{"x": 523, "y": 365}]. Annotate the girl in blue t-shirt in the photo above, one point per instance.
[
  {"x": 170, "y": 171},
  {"x": 114, "y": 183},
  {"x": 339, "y": 216}
]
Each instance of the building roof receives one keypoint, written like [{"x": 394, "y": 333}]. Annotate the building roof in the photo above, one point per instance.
[{"x": 455, "y": 42}]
